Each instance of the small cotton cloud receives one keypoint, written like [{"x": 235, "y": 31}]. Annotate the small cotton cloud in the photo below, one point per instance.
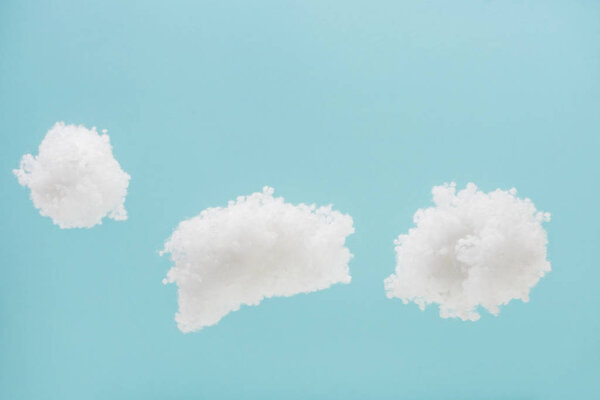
[
  {"x": 471, "y": 249},
  {"x": 74, "y": 179},
  {"x": 257, "y": 247}
]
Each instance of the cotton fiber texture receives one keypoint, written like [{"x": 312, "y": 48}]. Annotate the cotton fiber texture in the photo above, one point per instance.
[
  {"x": 74, "y": 179},
  {"x": 257, "y": 247},
  {"x": 471, "y": 249}
]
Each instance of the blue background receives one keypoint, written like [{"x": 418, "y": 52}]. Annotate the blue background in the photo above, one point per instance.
[{"x": 365, "y": 105}]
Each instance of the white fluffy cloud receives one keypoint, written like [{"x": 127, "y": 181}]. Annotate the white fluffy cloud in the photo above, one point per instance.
[
  {"x": 74, "y": 179},
  {"x": 471, "y": 249},
  {"x": 258, "y": 246}
]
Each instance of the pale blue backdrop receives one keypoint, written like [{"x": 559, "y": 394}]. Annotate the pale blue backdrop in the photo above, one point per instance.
[{"x": 365, "y": 105}]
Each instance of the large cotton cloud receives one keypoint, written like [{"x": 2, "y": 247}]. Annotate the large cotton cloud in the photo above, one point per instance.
[
  {"x": 471, "y": 249},
  {"x": 258, "y": 246},
  {"x": 74, "y": 179}
]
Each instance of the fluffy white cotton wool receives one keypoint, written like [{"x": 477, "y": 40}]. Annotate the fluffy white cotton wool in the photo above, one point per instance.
[
  {"x": 258, "y": 246},
  {"x": 74, "y": 179},
  {"x": 471, "y": 249}
]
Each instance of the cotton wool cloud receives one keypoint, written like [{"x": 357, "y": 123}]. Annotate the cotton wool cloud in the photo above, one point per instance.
[
  {"x": 75, "y": 179},
  {"x": 470, "y": 249},
  {"x": 257, "y": 247}
]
